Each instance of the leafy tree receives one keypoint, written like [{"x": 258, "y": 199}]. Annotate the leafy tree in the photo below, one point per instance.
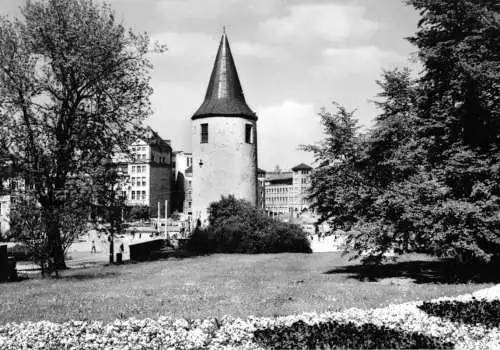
[
  {"x": 74, "y": 87},
  {"x": 338, "y": 191},
  {"x": 458, "y": 123},
  {"x": 427, "y": 175},
  {"x": 27, "y": 226}
]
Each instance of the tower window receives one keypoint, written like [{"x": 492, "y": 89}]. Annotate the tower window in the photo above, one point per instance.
[
  {"x": 204, "y": 133},
  {"x": 248, "y": 133}
]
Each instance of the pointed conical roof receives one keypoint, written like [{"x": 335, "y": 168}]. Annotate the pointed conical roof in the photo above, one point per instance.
[{"x": 224, "y": 95}]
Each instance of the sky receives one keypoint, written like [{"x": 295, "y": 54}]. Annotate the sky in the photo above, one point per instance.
[{"x": 294, "y": 57}]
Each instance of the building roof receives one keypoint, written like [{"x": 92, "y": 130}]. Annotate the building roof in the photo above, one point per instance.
[
  {"x": 153, "y": 139},
  {"x": 285, "y": 179},
  {"x": 301, "y": 166},
  {"x": 224, "y": 95}
]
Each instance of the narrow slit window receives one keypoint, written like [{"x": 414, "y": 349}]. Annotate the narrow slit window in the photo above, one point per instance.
[
  {"x": 248, "y": 133},
  {"x": 204, "y": 133}
]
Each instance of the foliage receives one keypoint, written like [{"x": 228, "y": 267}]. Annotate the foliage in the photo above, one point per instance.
[
  {"x": 138, "y": 213},
  {"x": 27, "y": 227},
  {"x": 395, "y": 326},
  {"x": 335, "y": 335},
  {"x": 426, "y": 177},
  {"x": 458, "y": 124},
  {"x": 74, "y": 88},
  {"x": 473, "y": 311},
  {"x": 238, "y": 227}
]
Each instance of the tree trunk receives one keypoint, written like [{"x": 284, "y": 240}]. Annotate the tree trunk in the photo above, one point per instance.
[{"x": 55, "y": 244}]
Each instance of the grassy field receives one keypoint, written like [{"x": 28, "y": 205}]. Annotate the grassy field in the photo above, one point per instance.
[{"x": 213, "y": 286}]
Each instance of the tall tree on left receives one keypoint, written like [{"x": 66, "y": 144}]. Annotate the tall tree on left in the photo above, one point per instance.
[{"x": 74, "y": 88}]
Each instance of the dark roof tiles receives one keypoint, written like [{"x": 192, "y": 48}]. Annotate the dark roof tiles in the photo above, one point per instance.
[
  {"x": 301, "y": 166},
  {"x": 224, "y": 95}
]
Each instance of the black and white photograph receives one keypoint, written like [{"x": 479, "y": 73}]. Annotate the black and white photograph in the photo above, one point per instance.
[{"x": 249, "y": 174}]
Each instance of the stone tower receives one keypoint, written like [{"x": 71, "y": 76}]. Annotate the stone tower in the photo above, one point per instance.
[{"x": 224, "y": 136}]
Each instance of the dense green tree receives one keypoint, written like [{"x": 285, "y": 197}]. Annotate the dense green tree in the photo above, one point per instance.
[
  {"x": 428, "y": 172},
  {"x": 74, "y": 87},
  {"x": 458, "y": 123}
]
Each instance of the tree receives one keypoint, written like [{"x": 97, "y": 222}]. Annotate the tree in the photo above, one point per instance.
[
  {"x": 458, "y": 123},
  {"x": 74, "y": 88},
  {"x": 27, "y": 226},
  {"x": 427, "y": 175},
  {"x": 335, "y": 183}
]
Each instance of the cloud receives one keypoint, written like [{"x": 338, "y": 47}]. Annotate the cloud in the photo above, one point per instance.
[
  {"x": 189, "y": 46},
  {"x": 213, "y": 9},
  {"x": 282, "y": 128},
  {"x": 246, "y": 48},
  {"x": 361, "y": 60},
  {"x": 332, "y": 22}
]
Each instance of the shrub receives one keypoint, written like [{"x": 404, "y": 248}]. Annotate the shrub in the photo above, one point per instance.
[
  {"x": 238, "y": 227},
  {"x": 474, "y": 311},
  {"x": 335, "y": 335},
  {"x": 138, "y": 212}
]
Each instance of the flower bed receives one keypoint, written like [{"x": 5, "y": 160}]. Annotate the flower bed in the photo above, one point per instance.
[
  {"x": 475, "y": 311},
  {"x": 404, "y": 325}
]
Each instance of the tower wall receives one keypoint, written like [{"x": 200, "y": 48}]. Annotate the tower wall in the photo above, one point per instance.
[{"x": 228, "y": 162}]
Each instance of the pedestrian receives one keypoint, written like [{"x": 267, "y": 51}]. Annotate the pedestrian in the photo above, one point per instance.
[{"x": 93, "y": 250}]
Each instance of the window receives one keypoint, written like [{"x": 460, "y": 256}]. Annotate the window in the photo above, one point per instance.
[
  {"x": 248, "y": 133},
  {"x": 138, "y": 183},
  {"x": 133, "y": 195},
  {"x": 143, "y": 195},
  {"x": 204, "y": 133},
  {"x": 133, "y": 169},
  {"x": 144, "y": 181}
]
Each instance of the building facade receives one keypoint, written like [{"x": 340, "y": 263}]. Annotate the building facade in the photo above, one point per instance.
[
  {"x": 261, "y": 186},
  {"x": 5, "y": 200},
  {"x": 224, "y": 138},
  {"x": 188, "y": 193},
  {"x": 182, "y": 161},
  {"x": 286, "y": 192},
  {"x": 147, "y": 173}
]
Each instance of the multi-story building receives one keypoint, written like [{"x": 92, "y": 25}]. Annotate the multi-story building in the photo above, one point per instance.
[
  {"x": 5, "y": 200},
  {"x": 188, "y": 189},
  {"x": 10, "y": 191},
  {"x": 285, "y": 193},
  {"x": 148, "y": 173},
  {"x": 181, "y": 162},
  {"x": 261, "y": 186}
]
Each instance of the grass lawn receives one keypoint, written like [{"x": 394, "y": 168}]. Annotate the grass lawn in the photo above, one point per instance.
[{"x": 213, "y": 286}]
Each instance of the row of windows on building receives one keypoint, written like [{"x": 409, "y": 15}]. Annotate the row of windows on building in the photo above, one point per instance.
[
  {"x": 138, "y": 195},
  {"x": 138, "y": 169},
  {"x": 279, "y": 199},
  {"x": 278, "y": 189},
  {"x": 248, "y": 133},
  {"x": 138, "y": 181}
]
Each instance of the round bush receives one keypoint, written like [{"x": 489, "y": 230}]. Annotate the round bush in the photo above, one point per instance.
[{"x": 238, "y": 227}]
